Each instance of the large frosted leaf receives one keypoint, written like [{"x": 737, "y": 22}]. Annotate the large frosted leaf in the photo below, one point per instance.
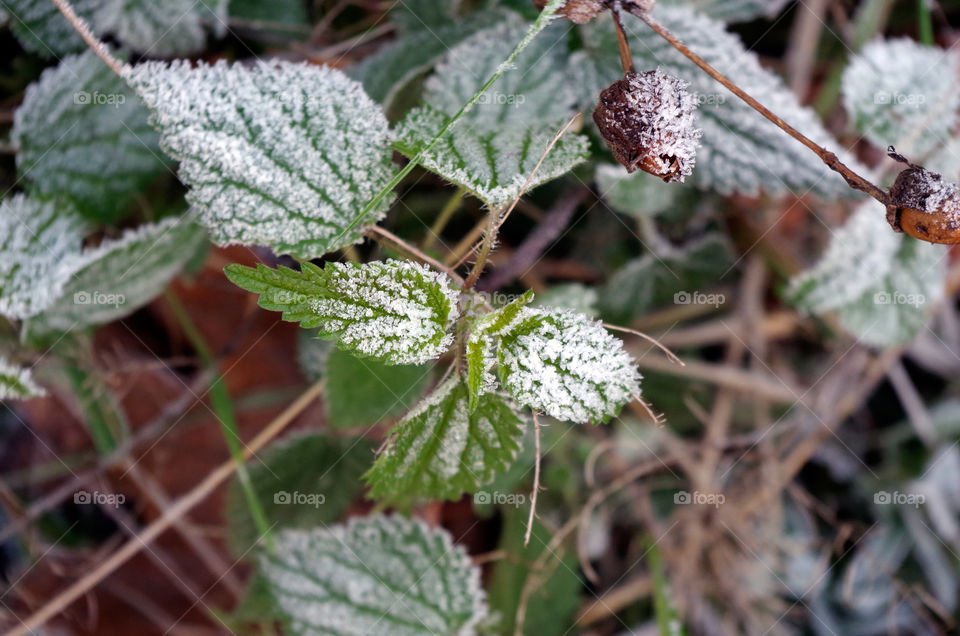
[
  {"x": 733, "y": 10},
  {"x": 395, "y": 311},
  {"x": 17, "y": 383},
  {"x": 481, "y": 346},
  {"x": 40, "y": 245},
  {"x": 302, "y": 482},
  {"x": 424, "y": 14},
  {"x": 41, "y": 28},
  {"x": 285, "y": 155},
  {"x": 441, "y": 450},
  {"x": 897, "y": 94},
  {"x": 740, "y": 150},
  {"x": 566, "y": 366},
  {"x": 375, "y": 575},
  {"x": 493, "y": 150},
  {"x": 881, "y": 285},
  {"x": 82, "y": 134},
  {"x": 634, "y": 194},
  {"x": 120, "y": 276}
]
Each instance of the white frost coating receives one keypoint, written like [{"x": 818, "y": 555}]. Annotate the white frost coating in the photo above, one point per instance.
[
  {"x": 567, "y": 366},
  {"x": 17, "y": 383},
  {"x": 881, "y": 285},
  {"x": 82, "y": 133},
  {"x": 375, "y": 575},
  {"x": 734, "y": 10},
  {"x": 397, "y": 311},
  {"x": 899, "y": 92},
  {"x": 39, "y": 251},
  {"x": 280, "y": 154}
]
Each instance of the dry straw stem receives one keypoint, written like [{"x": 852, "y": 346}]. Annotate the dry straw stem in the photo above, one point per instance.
[
  {"x": 177, "y": 509},
  {"x": 81, "y": 27}
]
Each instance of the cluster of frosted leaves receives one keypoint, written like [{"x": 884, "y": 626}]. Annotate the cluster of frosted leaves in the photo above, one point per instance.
[
  {"x": 397, "y": 312},
  {"x": 899, "y": 92},
  {"x": 278, "y": 154},
  {"x": 740, "y": 150},
  {"x": 881, "y": 285},
  {"x": 121, "y": 275},
  {"x": 40, "y": 244},
  {"x": 635, "y": 194},
  {"x": 375, "y": 575},
  {"x": 493, "y": 150},
  {"x": 566, "y": 366},
  {"x": 733, "y": 10},
  {"x": 81, "y": 133},
  {"x": 485, "y": 332},
  {"x": 17, "y": 383},
  {"x": 441, "y": 449},
  {"x": 160, "y": 28}
]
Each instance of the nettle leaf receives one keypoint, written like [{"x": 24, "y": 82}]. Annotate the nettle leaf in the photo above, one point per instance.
[
  {"x": 81, "y": 133},
  {"x": 440, "y": 450},
  {"x": 651, "y": 281},
  {"x": 493, "y": 150},
  {"x": 566, "y": 366},
  {"x": 635, "y": 194},
  {"x": 278, "y": 154},
  {"x": 733, "y": 10},
  {"x": 302, "y": 482},
  {"x": 881, "y": 285},
  {"x": 17, "y": 383},
  {"x": 424, "y": 14},
  {"x": 121, "y": 275},
  {"x": 372, "y": 575},
  {"x": 395, "y": 311},
  {"x": 154, "y": 27},
  {"x": 740, "y": 150},
  {"x": 576, "y": 297},
  {"x": 40, "y": 245},
  {"x": 481, "y": 343},
  {"x": 896, "y": 94},
  {"x": 362, "y": 392}
]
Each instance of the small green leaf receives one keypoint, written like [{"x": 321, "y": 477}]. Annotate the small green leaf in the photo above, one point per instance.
[
  {"x": 635, "y": 194},
  {"x": 440, "y": 450},
  {"x": 481, "y": 354},
  {"x": 364, "y": 392},
  {"x": 566, "y": 366},
  {"x": 81, "y": 133},
  {"x": 375, "y": 575},
  {"x": 17, "y": 383},
  {"x": 277, "y": 154},
  {"x": 303, "y": 482},
  {"x": 398, "y": 312}
]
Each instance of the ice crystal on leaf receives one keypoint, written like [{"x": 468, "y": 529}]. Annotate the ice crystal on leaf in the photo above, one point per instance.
[
  {"x": 441, "y": 449},
  {"x": 279, "y": 154},
  {"x": 82, "y": 133},
  {"x": 375, "y": 575},
  {"x": 899, "y": 92},
  {"x": 881, "y": 285},
  {"x": 17, "y": 383},
  {"x": 567, "y": 366},
  {"x": 395, "y": 311}
]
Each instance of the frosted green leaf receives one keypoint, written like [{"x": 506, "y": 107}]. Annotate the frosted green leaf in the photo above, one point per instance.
[
  {"x": 634, "y": 194},
  {"x": 881, "y": 285},
  {"x": 40, "y": 245},
  {"x": 278, "y": 154},
  {"x": 566, "y": 366},
  {"x": 576, "y": 297},
  {"x": 121, "y": 275},
  {"x": 896, "y": 94},
  {"x": 375, "y": 575},
  {"x": 82, "y": 134},
  {"x": 440, "y": 450},
  {"x": 41, "y": 28},
  {"x": 395, "y": 311},
  {"x": 740, "y": 150},
  {"x": 733, "y": 10},
  {"x": 481, "y": 346},
  {"x": 424, "y": 14},
  {"x": 302, "y": 482},
  {"x": 17, "y": 383}
]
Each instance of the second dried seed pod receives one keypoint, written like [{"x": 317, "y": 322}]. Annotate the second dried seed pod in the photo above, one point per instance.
[
  {"x": 924, "y": 206},
  {"x": 648, "y": 121}
]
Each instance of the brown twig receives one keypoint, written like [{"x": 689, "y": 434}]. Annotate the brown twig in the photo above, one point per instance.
[{"x": 536, "y": 480}]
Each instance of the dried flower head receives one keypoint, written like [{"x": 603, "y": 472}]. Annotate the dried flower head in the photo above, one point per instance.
[
  {"x": 923, "y": 205},
  {"x": 647, "y": 120},
  {"x": 579, "y": 11}
]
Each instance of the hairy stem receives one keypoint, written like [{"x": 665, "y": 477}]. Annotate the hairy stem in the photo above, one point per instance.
[
  {"x": 489, "y": 239},
  {"x": 83, "y": 29},
  {"x": 449, "y": 209}
]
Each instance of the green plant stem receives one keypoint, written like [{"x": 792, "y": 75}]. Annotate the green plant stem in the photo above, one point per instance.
[
  {"x": 222, "y": 406},
  {"x": 489, "y": 240},
  {"x": 924, "y": 23},
  {"x": 452, "y": 205}
]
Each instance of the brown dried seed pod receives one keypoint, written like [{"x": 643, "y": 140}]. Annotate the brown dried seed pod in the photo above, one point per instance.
[
  {"x": 924, "y": 206},
  {"x": 647, "y": 120},
  {"x": 579, "y": 11}
]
